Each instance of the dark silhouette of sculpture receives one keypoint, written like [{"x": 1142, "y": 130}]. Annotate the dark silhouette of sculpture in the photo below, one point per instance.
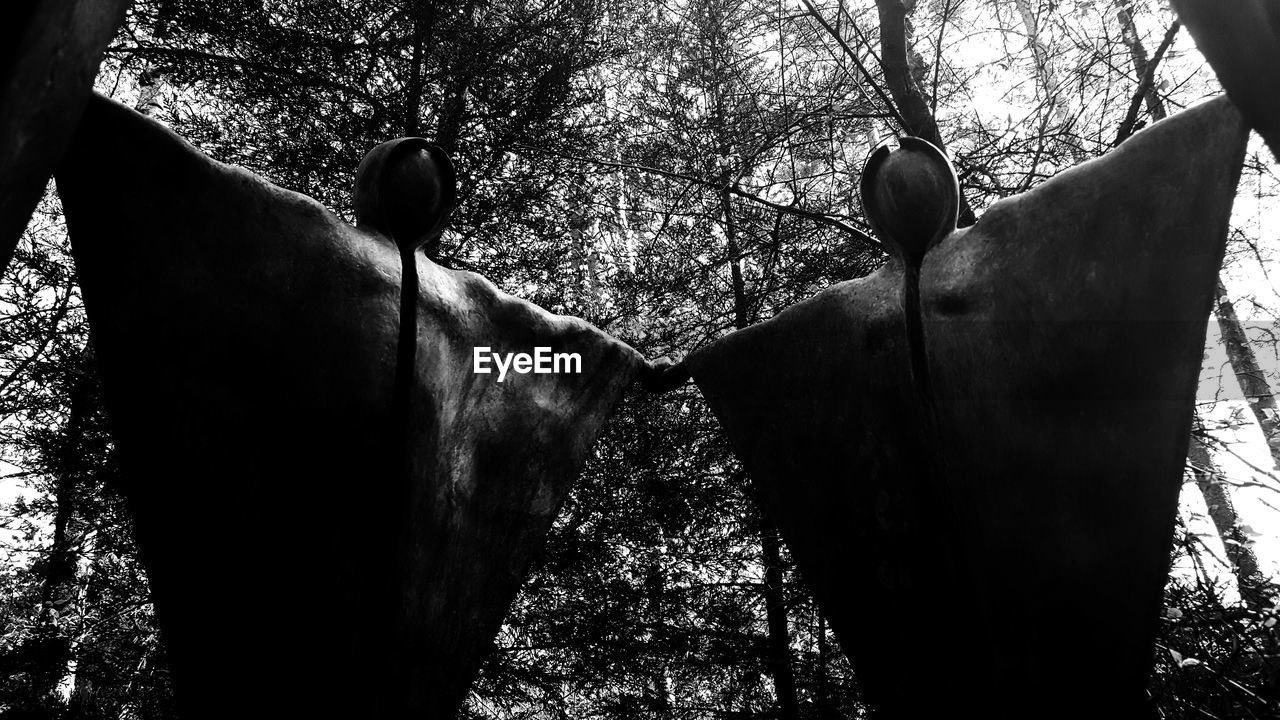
[
  {"x": 405, "y": 189},
  {"x": 1009, "y": 561},
  {"x": 911, "y": 197},
  {"x": 49, "y": 55},
  {"x": 247, "y": 342},
  {"x": 1241, "y": 40}
]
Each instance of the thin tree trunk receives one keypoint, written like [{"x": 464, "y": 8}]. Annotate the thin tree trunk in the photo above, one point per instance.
[
  {"x": 619, "y": 196},
  {"x": 784, "y": 682},
  {"x": 1244, "y": 564},
  {"x": 1138, "y": 54},
  {"x": 826, "y": 704},
  {"x": 59, "y": 589},
  {"x": 583, "y": 240},
  {"x": 911, "y": 103},
  {"x": 1045, "y": 72},
  {"x": 1252, "y": 380},
  {"x": 454, "y": 106},
  {"x": 72, "y": 687},
  {"x": 895, "y": 61},
  {"x": 1146, "y": 71},
  {"x": 151, "y": 83},
  {"x": 779, "y": 650},
  {"x": 740, "y": 312},
  {"x": 1253, "y": 383},
  {"x": 660, "y": 681},
  {"x": 424, "y": 21}
]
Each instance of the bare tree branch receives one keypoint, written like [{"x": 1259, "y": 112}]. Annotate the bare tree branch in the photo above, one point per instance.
[
  {"x": 853, "y": 57},
  {"x": 1145, "y": 85},
  {"x": 733, "y": 189},
  {"x": 910, "y": 101}
]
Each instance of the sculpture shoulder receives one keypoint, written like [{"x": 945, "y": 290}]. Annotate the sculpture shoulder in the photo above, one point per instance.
[
  {"x": 125, "y": 164},
  {"x": 155, "y": 150},
  {"x": 474, "y": 299}
]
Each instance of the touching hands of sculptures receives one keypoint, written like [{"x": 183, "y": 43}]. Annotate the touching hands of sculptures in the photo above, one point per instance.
[{"x": 664, "y": 374}]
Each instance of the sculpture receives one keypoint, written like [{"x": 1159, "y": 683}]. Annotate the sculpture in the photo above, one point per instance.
[
  {"x": 301, "y": 559},
  {"x": 51, "y": 51},
  {"x": 1241, "y": 40},
  {"x": 1012, "y": 557}
]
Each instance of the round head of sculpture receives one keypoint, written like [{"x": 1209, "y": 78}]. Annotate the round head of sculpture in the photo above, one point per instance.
[
  {"x": 405, "y": 189},
  {"x": 911, "y": 197}
]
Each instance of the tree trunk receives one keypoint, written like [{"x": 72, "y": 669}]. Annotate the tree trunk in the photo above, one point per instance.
[
  {"x": 424, "y": 21},
  {"x": 779, "y": 650},
  {"x": 1044, "y": 65},
  {"x": 582, "y": 237},
  {"x": 1138, "y": 54},
  {"x": 1253, "y": 382},
  {"x": 454, "y": 104},
  {"x": 895, "y": 61},
  {"x": 902, "y": 87},
  {"x": 1244, "y": 564},
  {"x": 826, "y": 704},
  {"x": 150, "y": 81},
  {"x": 784, "y": 682},
  {"x": 60, "y": 589},
  {"x": 663, "y": 700}
]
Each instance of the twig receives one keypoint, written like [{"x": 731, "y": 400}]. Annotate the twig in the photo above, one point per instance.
[
  {"x": 732, "y": 188},
  {"x": 1144, "y": 86}
]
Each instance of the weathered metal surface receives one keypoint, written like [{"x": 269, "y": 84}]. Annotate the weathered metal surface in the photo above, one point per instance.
[
  {"x": 1241, "y": 41},
  {"x": 49, "y": 55},
  {"x": 1010, "y": 564},
  {"x": 246, "y": 338}
]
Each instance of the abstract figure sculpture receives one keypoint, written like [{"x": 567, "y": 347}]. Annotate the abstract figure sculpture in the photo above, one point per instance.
[
  {"x": 303, "y": 563},
  {"x": 1241, "y": 40},
  {"x": 1011, "y": 559},
  {"x": 911, "y": 197},
  {"x": 405, "y": 189},
  {"x": 912, "y": 200},
  {"x": 49, "y": 54}
]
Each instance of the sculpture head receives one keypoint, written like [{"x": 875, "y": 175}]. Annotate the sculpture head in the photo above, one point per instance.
[
  {"x": 405, "y": 189},
  {"x": 911, "y": 197}
]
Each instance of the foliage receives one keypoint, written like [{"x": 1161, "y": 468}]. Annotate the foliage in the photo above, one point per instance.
[{"x": 1215, "y": 657}]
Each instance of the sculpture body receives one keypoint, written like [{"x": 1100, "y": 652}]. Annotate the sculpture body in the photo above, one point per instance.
[
  {"x": 1241, "y": 40},
  {"x": 247, "y": 342},
  {"x": 49, "y": 55},
  {"x": 1013, "y": 562}
]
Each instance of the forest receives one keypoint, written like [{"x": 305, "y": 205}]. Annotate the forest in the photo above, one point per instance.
[{"x": 669, "y": 171}]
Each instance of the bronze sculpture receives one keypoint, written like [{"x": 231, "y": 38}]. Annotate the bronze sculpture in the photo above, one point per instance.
[
  {"x": 49, "y": 53},
  {"x": 291, "y": 539},
  {"x": 1024, "y": 536}
]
